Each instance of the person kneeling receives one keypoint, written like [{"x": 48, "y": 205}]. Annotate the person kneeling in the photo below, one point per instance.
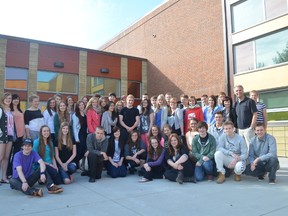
[
  {"x": 231, "y": 153},
  {"x": 153, "y": 168},
  {"x": 97, "y": 145},
  {"x": 263, "y": 155}
]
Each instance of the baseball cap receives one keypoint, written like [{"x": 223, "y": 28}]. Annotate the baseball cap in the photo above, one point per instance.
[{"x": 28, "y": 141}]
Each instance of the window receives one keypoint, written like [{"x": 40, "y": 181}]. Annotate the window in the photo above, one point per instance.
[
  {"x": 262, "y": 52},
  {"x": 102, "y": 86},
  {"x": 16, "y": 78},
  {"x": 252, "y": 12},
  {"x": 57, "y": 82},
  {"x": 134, "y": 88}
]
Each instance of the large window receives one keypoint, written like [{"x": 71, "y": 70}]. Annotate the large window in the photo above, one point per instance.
[
  {"x": 57, "y": 82},
  {"x": 102, "y": 86},
  {"x": 134, "y": 88},
  {"x": 252, "y": 12},
  {"x": 262, "y": 52},
  {"x": 16, "y": 78}
]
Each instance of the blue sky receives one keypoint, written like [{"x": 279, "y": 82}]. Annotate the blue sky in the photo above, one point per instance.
[{"x": 82, "y": 23}]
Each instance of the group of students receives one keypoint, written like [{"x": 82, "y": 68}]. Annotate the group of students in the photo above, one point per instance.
[{"x": 162, "y": 138}]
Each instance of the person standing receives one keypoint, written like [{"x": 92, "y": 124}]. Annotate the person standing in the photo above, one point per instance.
[
  {"x": 246, "y": 112},
  {"x": 263, "y": 155},
  {"x": 261, "y": 107}
]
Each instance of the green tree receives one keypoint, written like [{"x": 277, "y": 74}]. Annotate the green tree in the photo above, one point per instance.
[{"x": 281, "y": 56}]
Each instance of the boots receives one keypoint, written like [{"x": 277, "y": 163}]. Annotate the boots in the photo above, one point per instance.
[
  {"x": 221, "y": 178},
  {"x": 180, "y": 177}
]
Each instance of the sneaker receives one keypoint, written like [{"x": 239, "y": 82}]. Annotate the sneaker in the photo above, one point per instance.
[
  {"x": 237, "y": 177},
  {"x": 54, "y": 189},
  {"x": 260, "y": 178},
  {"x": 38, "y": 193},
  {"x": 220, "y": 178},
  {"x": 143, "y": 180},
  {"x": 180, "y": 177},
  {"x": 272, "y": 182}
]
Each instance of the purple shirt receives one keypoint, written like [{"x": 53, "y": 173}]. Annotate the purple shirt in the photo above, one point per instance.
[{"x": 26, "y": 162}]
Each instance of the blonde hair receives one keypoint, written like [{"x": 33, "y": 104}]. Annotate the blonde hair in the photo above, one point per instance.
[{"x": 32, "y": 97}]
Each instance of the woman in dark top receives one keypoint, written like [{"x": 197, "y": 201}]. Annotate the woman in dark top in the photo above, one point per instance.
[
  {"x": 179, "y": 168},
  {"x": 79, "y": 123},
  {"x": 229, "y": 113},
  {"x": 134, "y": 152},
  {"x": 65, "y": 152},
  {"x": 115, "y": 153},
  {"x": 154, "y": 166}
]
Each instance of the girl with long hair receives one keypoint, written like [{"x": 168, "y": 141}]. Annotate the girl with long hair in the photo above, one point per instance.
[
  {"x": 167, "y": 131},
  {"x": 79, "y": 124},
  {"x": 154, "y": 166},
  {"x": 62, "y": 115},
  {"x": 161, "y": 112},
  {"x": 70, "y": 105},
  {"x": 175, "y": 117},
  {"x": 65, "y": 152},
  {"x": 155, "y": 131},
  {"x": 180, "y": 168},
  {"x": 109, "y": 119},
  {"x": 44, "y": 147},
  {"x": 6, "y": 134},
  {"x": 49, "y": 114},
  {"x": 93, "y": 113},
  {"x": 210, "y": 110},
  {"x": 115, "y": 153},
  {"x": 146, "y": 120},
  {"x": 192, "y": 132},
  {"x": 134, "y": 152}
]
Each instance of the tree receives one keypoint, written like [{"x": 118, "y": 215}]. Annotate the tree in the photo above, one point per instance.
[{"x": 281, "y": 56}]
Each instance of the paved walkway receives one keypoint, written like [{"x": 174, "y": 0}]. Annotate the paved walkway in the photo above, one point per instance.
[{"x": 126, "y": 196}]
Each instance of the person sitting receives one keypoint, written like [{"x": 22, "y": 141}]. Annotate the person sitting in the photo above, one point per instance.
[
  {"x": 231, "y": 153},
  {"x": 115, "y": 153},
  {"x": 154, "y": 166},
  {"x": 180, "y": 168},
  {"x": 262, "y": 155},
  {"x": 24, "y": 178}
]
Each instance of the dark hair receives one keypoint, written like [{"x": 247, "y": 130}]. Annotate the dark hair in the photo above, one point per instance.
[
  {"x": 130, "y": 141},
  {"x": 48, "y": 106},
  {"x": 114, "y": 114},
  {"x": 77, "y": 111},
  {"x": 170, "y": 147},
  {"x": 227, "y": 98},
  {"x": 15, "y": 96},
  {"x": 260, "y": 124},
  {"x": 42, "y": 146},
  {"x": 159, "y": 132},
  {"x": 214, "y": 99},
  {"x": 202, "y": 124},
  {"x": 145, "y": 111},
  {"x": 219, "y": 113}
]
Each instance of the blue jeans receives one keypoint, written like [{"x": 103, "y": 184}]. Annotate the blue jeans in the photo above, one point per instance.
[
  {"x": 71, "y": 168},
  {"x": 115, "y": 172},
  {"x": 205, "y": 169}
]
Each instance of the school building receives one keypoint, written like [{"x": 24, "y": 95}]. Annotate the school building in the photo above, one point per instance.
[{"x": 184, "y": 46}]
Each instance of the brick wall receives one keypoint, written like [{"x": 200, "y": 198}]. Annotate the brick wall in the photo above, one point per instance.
[{"x": 183, "y": 42}]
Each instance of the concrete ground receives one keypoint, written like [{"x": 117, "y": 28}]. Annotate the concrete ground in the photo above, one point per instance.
[{"x": 125, "y": 196}]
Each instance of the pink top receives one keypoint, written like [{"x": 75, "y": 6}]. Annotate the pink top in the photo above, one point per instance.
[
  {"x": 19, "y": 123},
  {"x": 93, "y": 120}
]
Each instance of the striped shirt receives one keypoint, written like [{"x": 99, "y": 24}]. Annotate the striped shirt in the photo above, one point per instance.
[{"x": 260, "y": 107}]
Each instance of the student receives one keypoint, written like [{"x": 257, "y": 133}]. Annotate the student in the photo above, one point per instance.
[
  {"x": 62, "y": 115},
  {"x": 70, "y": 106},
  {"x": 203, "y": 150},
  {"x": 231, "y": 153},
  {"x": 210, "y": 110},
  {"x": 128, "y": 118},
  {"x": 167, "y": 131},
  {"x": 112, "y": 97},
  {"x": 168, "y": 96},
  {"x": 65, "y": 152},
  {"x": 85, "y": 100},
  {"x": 33, "y": 118},
  {"x": 192, "y": 132},
  {"x": 193, "y": 111},
  {"x": 109, "y": 119},
  {"x": 261, "y": 108},
  {"x": 24, "y": 177},
  {"x": 97, "y": 145},
  {"x": 6, "y": 134},
  {"x": 146, "y": 120},
  {"x": 204, "y": 101},
  {"x": 79, "y": 124},
  {"x": 44, "y": 147},
  {"x": 228, "y": 110},
  {"x": 161, "y": 112},
  {"x": 134, "y": 152},
  {"x": 153, "y": 101},
  {"x": 175, "y": 117},
  {"x": 155, "y": 131},
  {"x": 49, "y": 114},
  {"x": 118, "y": 107},
  {"x": 153, "y": 168},
  {"x": 58, "y": 98},
  {"x": 263, "y": 155},
  {"x": 217, "y": 129},
  {"x": 115, "y": 153},
  {"x": 180, "y": 168},
  {"x": 221, "y": 97},
  {"x": 103, "y": 104},
  {"x": 93, "y": 113}
]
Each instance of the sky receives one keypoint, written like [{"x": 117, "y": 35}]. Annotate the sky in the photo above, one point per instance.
[{"x": 81, "y": 23}]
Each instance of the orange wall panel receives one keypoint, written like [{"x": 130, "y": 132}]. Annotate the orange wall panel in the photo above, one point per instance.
[
  {"x": 96, "y": 61},
  {"x": 134, "y": 70},
  {"x": 17, "y": 54},
  {"x": 50, "y": 54}
]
